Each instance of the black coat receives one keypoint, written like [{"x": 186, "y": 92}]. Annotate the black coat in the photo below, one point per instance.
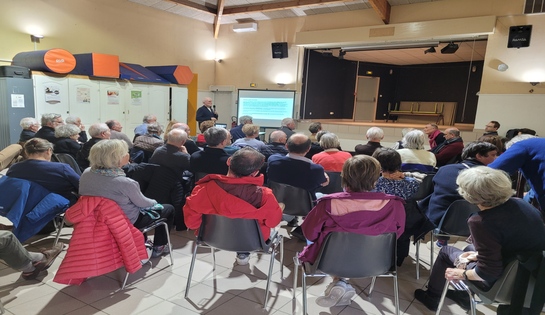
[{"x": 68, "y": 146}]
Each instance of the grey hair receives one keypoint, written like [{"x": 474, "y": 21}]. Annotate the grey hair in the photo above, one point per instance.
[
  {"x": 71, "y": 120},
  {"x": 147, "y": 118},
  {"x": 246, "y": 161},
  {"x": 414, "y": 139},
  {"x": 177, "y": 136},
  {"x": 65, "y": 131},
  {"x": 320, "y": 133},
  {"x": 28, "y": 122},
  {"x": 245, "y": 119},
  {"x": 404, "y": 131},
  {"x": 154, "y": 129},
  {"x": 277, "y": 135},
  {"x": 214, "y": 136},
  {"x": 485, "y": 186},
  {"x": 286, "y": 121},
  {"x": 329, "y": 141},
  {"x": 107, "y": 153},
  {"x": 375, "y": 133},
  {"x": 454, "y": 132},
  {"x": 96, "y": 129},
  {"x": 517, "y": 139},
  {"x": 49, "y": 118}
]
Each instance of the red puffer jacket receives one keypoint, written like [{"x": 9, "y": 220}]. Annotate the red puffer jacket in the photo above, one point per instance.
[{"x": 103, "y": 241}]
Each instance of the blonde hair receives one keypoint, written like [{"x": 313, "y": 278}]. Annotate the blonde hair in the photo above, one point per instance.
[
  {"x": 250, "y": 129},
  {"x": 485, "y": 186},
  {"x": 206, "y": 124},
  {"x": 107, "y": 153}
]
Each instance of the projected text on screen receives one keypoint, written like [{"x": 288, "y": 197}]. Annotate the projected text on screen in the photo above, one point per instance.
[{"x": 269, "y": 108}]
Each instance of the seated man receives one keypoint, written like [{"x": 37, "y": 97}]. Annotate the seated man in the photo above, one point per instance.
[
  {"x": 213, "y": 159},
  {"x": 236, "y": 132},
  {"x": 76, "y": 121},
  {"x": 445, "y": 192},
  {"x": 450, "y": 148},
  {"x": 98, "y": 132},
  {"x": 190, "y": 145},
  {"x": 173, "y": 154},
  {"x": 30, "y": 126},
  {"x": 240, "y": 194},
  {"x": 115, "y": 132},
  {"x": 30, "y": 263},
  {"x": 374, "y": 135},
  {"x": 49, "y": 123},
  {"x": 142, "y": 129},
  {"x": 277, "y": 144}
]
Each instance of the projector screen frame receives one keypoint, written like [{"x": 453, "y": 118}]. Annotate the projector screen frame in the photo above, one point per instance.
[{"x": 275, "y": 94}]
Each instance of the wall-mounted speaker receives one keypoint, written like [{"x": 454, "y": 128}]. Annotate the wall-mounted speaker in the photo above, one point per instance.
[
  {"x": 280, "y": 50},
  {"x": 519, "y": 36}
]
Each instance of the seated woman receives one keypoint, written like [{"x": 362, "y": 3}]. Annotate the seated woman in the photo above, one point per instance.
[
  {"x": 413, "y": 155},
  {"x": 56, "y": 177},
  {"x": 67, "y": 139},
  {"x": 503, "y": 227},
  {"x": 205, "y": 125},
  {"x": 105, "y": 178},
  {"x": 332, "y": 159},
  {"x": 393, "y": 181},
  {"x": 356, "y": 210},
  {"x": 252, "y": 132}
]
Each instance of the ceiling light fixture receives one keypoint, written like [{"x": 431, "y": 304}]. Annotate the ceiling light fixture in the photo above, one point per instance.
[
  {"x": 36, "y": 38},
  {"x": 386, "y": 46},
  {"x": 430, "y": 50}
]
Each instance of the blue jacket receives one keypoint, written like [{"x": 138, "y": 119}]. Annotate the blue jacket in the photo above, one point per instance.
[{"x": 28, "y": 206}]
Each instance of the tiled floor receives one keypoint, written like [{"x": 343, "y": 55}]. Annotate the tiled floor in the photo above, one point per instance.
[{"x": 227, "y": 290}]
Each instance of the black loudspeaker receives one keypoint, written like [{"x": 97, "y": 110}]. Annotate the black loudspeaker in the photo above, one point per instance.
[
  {"x": 280, "y": 50},
  {"x": 519, "y": 36}
]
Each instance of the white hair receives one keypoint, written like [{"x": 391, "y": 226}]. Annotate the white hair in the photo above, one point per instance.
[
  {"x": 65, "y": 131},
  {"x": 71, "y": 120},
  {"x": 107, "y": 153},
  {"x": 375, "y": 133},
  {"x": 414, "y": 139},
  {"x": 28, "y": 122},
  {"x": 96, "y": 129},
  {"x": 485, "y": 186}
]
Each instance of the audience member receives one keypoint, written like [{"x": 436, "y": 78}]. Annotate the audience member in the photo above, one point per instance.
[
  {"x": 449, "y": 151},
  {"x": 173, "y": 154},
  {"x": 399, "y": 144},
  {"x": 49, "y": 123},
  {"x": 331, "y": 159},
  {"x": 491, "y": 129},
  {"x": 276, "y": 146},
  {"x": 314, "y": 128},
  {"x": 56, "y": 177},
  {"x": 206, "y": 112},
  {"x": 190, "y": 145},
  {"x": 239, "y": 194},
  {"x": 73, "y": 120},
  {"x": 170, "y": 126},
  {"x": 413, "y": 155},
  {"x": 236, "y": 132},
  {"x": 393, "y": 181},
  {"x": 143, "y": 128},
  {"x": 356, "y": 210},
  {"x": 315, "y": 147},
  {"x": 30, "y": 126},
  {"x": 213, "y": 159},
  {"x": 67, "y": 140},
  {"x": 151, "y": 140},
  {"x": 98, "y": 132},
  {"x": 444, "y": 182},
  {"x": 203, "y": 127},
  {"x": 435, "y": 136},
  {"x": 105, "y": 178},
  {"x": 287, "y": 126},
  {"x": 374, "y": 135},
  {"x": 30, "y": 263},
  {"x": 498, "y": 141},
  {"x": 503, "y": 228},
  {"x": 115, "y": 132},
  {"x": 251, "y": 131}
]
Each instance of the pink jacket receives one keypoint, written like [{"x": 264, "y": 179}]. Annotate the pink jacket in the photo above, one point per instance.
[{"x": 103, "y": 240}]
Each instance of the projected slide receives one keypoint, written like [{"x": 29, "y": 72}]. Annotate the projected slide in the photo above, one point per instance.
[{"x": 267, "y": 108}]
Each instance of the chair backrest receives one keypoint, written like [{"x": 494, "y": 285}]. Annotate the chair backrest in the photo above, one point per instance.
[
  {"x": 298, "y": 201},
  {"x": 425, "y": 189},
  {"x": 352, "y": 255},
  {"x": 334, "y": 185},
  {"x": 67, "y": 159},
  {"x": 237, "y": 235},
  {"x": 454, "y": 220},
  {"x": 199, "y": 175}
]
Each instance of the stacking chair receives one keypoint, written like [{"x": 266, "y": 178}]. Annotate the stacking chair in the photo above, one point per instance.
[
  {"x": 334, "y": 185},
  {"x": 454, "y": 222},
  {"x": 66, "y": 159},
  {"x": 298, "y": 201},
  {"x": 375, "y": 257},
  {"x": 236, "y": 235}
]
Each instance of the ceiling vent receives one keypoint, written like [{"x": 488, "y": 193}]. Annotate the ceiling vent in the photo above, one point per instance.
[{"x": 245, "y": 27}]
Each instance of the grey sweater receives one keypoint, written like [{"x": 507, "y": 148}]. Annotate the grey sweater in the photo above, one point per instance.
[{"x": 123, "y": 190}]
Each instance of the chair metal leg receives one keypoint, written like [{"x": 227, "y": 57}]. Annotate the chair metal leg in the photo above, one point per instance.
[
  {"x": 295, "y": 271},
  {"x": 125, "y": 281},
  {"x": 271, "y": 265},
  {"x": 188, "y": 285},
  {"x": 372, "y": 285},
  {"x": 281, "y": 257},
  {"x": 61, "y": 226},
  {"x": 431, "y": 251},
  {"x": 168, "y": 243},
  {"x": 214, "y": 258},
  {"x": 396, "y": 294},
  {"x": 304, "y": 287},
  {"x": 418, "y": 259},
  {"x": 2, "y": 310},
  {"x": 442, "y": 300}
]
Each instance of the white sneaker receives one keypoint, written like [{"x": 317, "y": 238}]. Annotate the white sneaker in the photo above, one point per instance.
[
  {"x": 332, "y": 294},
  {"x": 346, "y": 299},
  {"x": 149, "y": 250},
  {"x": 243, "y": 259}
]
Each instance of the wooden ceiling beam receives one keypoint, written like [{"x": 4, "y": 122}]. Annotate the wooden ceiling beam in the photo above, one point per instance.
[
  {"x": 278, "y": 6},
  {"x": 197, "y": 6},
  {"x": 383, "y": 8},
  {"x": 217, "y": 18}
]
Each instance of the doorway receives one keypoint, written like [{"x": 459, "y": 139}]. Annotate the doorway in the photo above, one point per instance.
[{"x": 365, "y": 106}]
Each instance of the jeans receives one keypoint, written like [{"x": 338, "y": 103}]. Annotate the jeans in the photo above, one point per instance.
[{"x": 12, "y": 252}]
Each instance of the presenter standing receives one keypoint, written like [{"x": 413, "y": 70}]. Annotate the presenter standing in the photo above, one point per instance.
[{"x": 207, "y": 111}]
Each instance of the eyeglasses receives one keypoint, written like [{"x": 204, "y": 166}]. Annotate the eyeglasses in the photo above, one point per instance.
[{"x": 489, "y": 126}]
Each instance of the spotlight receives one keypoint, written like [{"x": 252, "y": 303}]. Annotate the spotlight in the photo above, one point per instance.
[
  {"x": 534, "y": 83},
  {"x": 430, "y": 50},
  {"x": 36, "y": 38},
  {"x": 450, "y": 48},
  {"x": 341, "y": 54}
]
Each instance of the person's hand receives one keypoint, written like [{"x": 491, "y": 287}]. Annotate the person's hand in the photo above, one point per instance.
[
  {"x": 454, "y": 274},
  {"x": 183, "y": 149},
  {"x": 469, "y": 256},
  {"x": 327, "y": 180},
  {"x": 82, "y": 127},
  {"x": 213, "y": 118}
]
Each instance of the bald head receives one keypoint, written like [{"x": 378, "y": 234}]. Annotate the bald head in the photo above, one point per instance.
[
  {"x": 278, "y": 136},
  {"x": 177, "y": 137},
  {"x": 181, "y": 126},
  {"x": 452, "y": 132},
  {"x": 298, "y": 143}
]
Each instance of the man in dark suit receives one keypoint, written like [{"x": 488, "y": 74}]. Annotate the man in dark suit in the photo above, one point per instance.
[
  {"x": 49, "y": 122},
  {"x": 213, "y": 159},
  {"x": 206, "y": 112},
  {"x": 173, "y": 154},
  {"x": 374, "y": 135}
]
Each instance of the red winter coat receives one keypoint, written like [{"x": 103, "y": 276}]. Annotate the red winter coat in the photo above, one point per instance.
[{"x": 103, "y": 240}]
